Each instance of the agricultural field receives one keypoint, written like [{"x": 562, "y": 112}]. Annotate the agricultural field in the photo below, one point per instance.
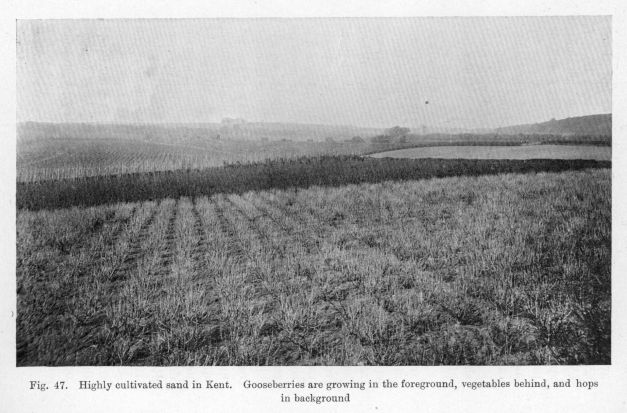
[
  {"x": 66, "y": 158},
  {"x": 66, "y": 151},
  {"x": 505, "y": 268},
  {"x": 597, "y": 152}
]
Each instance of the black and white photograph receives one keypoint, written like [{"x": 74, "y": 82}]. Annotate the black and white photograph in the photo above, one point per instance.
[{"x": 407, "y": 191}]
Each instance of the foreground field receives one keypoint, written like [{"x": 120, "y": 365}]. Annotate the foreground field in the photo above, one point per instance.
[
  {"x": 504, "y": 269},
  {"x": 597, "y": 152}
]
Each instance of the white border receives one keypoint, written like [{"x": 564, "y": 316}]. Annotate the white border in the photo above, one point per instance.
[{"x": 14, "y": 395}]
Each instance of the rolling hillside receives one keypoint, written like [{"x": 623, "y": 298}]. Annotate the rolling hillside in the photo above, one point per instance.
[{"x": 595, "y": 125}]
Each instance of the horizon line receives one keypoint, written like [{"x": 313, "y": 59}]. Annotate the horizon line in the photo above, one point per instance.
[{"x": 182, "y": 123}]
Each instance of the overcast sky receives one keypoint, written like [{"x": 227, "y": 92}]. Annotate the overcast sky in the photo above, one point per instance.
[{"x": 473, "y": 72}]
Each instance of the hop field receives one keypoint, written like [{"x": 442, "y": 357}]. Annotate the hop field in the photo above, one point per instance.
[
  {"x": 502, "y": 269},
  {"x": 68, "y": 158}
]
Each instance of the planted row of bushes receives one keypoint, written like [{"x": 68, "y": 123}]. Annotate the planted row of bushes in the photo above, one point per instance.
[{"x": 294, "y": 173}]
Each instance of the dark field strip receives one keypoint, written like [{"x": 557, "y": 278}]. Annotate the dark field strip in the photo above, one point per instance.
[{"x": 296, "y": 173}]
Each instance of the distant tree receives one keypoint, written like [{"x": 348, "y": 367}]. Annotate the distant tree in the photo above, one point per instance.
[
  {"x": 391, "y": 136},
  {"x": 329, "y": 140},
  {"x": 397, "y": 132},
  {"x": 357, "y": 139}
]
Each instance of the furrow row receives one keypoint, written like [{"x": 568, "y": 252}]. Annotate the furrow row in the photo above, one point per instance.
[{"x": 234, "y": 245}]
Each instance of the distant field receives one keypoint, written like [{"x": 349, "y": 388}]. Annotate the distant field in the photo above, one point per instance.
[
  {"x": 63, "y": 158},
  {"x": 63, "y": 151},
  {"x": 503, "y": 269},
  {"x": 601, "y": 153}
]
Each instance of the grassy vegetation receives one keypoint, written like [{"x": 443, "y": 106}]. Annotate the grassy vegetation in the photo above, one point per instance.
[
  {"x": 501, "y": 269},
  {"x": 283, "y": 174}
]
